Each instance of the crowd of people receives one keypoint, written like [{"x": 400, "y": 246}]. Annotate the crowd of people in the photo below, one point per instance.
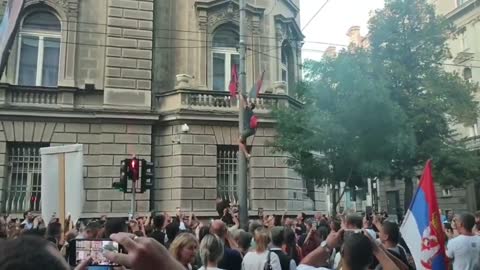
[{"x": 348, "y": 241}]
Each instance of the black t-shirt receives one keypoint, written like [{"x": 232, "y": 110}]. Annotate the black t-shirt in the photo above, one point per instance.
[
  {"x": 248, "y": 116},
  {"x": 300, "y": 229},
  {"x": 159, "y": 236},
  {"x": 232, "y": 260}
]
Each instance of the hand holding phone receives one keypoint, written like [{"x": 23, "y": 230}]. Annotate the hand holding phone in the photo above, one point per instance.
[
  {"x": 93, "y": 250},
  {"x": 144, "y": 253},
  {"x": 335, "y": 239}
]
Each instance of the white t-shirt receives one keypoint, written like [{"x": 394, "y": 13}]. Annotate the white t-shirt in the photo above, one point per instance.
[
  {"x": 257, "y": 261},
  {"x": 308, "y": 267},
  {"x": 465, "y": 252},
  {"x": 209, "y": 268},
  {"x": 337, "y": 260}
]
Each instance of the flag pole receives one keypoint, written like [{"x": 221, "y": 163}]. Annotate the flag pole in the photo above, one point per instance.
[{"x": 242, "y": 163}]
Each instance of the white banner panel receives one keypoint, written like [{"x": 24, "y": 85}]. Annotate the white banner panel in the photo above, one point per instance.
[{"x": 62, "y": 181}]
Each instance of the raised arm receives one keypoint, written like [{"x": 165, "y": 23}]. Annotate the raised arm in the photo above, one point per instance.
[{"x": 243, "y": 101}]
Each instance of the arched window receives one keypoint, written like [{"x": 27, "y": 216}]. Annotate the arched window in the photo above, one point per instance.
[
  {"x": 224, "y": 56},
  {"x": 287, "y": 72},
  {"x": 467, "y": 73},
  {"x": 39, "y": 49}
]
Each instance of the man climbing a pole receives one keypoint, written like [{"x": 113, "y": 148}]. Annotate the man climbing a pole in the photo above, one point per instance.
[{"x": 249, "y": 126}]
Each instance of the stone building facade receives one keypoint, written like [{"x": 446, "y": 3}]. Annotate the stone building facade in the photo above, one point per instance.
[{"x": 122, "y": 77}]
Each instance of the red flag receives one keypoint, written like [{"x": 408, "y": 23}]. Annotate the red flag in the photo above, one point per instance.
[
  {"x": 257, "y": 87},
  {"x": 233, "y": 86}
]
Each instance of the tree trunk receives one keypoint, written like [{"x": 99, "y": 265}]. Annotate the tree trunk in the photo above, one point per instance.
[
  {"x": 408, "y": 193},
  {"x": 334, "y": 201}
]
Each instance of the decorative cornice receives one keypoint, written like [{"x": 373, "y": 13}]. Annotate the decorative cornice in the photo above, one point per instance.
[
  {"x": 462, "y": 9},
  {"x": 211, "y": 14},
  {"x": 292, "y": 6},
  {"x": 208, "y": 5},
  {"x": 66, "y": 8},
  {"x": 45, "y": 113},
  {"x": 288, "y": 27}
]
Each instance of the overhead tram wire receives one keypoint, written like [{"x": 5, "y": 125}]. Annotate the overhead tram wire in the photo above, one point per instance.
[
  {"x": 254, "y": 52},
  {"x": 199, "y": 40},
  {"x": 304, "y": 27},
  {"x": 178, "y": 30},
  {"x": 203, "y": 41},
  {"x": 321, "y": 51},
  {"x": 315, "y": 15}
]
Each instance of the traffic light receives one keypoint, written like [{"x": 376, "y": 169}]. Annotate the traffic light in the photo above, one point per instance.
[
  {"x": 134, "y": 169},
  {"x": 124, "y": 174},
  {"x": 147, "y": 175}
]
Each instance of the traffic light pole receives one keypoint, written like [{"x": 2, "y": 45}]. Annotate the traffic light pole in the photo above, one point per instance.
[
  {"x": 133, "y": 202},
  {"x": 242, "y": 163}
]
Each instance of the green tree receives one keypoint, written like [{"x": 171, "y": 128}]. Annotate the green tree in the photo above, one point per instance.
[
  {"x": 408, "y": 46},
  {"x": 349, "y": 130},
  {"x": 383, "y": 112}
]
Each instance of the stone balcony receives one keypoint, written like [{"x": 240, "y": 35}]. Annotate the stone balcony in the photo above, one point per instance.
[
  {"x": 180, "y": 103},
  {"x": 15, "y": 96},
  {"x": 218, "y": 104}
]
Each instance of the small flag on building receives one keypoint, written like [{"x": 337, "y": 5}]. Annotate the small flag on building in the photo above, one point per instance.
[
  {"x": 233, "y": 86},
  {"x": 257, "y": 87},
  {"x": 422, "y": 228}
]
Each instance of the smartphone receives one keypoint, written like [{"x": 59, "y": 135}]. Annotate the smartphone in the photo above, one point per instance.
[{"x": 81, "y": 249}]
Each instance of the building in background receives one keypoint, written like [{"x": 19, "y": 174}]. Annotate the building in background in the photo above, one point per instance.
[{"x": 122, "y": 77}]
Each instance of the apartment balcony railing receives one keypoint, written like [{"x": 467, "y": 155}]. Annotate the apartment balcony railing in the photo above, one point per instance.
[{"x": 219, "y": 101}]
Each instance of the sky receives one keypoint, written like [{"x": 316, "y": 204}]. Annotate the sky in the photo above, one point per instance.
[{"x": 333, "y": 21}]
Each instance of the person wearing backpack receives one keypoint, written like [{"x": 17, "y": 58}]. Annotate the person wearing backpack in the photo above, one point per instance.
[
  {"x": 250, "y": 124},
  {"x": 261, "y": 258},
  {"x": 389, "y": 235}
]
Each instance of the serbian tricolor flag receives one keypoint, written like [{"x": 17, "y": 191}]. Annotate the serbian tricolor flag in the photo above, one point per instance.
[
  {"x": 257, "y": 87},
  {"x": 233, "y": 86},
  {"x": 422, "y": 228}
]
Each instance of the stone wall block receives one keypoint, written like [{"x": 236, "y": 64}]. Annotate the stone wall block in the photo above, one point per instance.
[
  {"x": 104, "y": 195},
  {"x": 204, "y": 139},
  {"x": 77, "y": 127},
  {"x": 204, "y": 182},
  {"x": 265, "y": 204},
  {"x": 205, "y": 161},
  {"x": 204, "y": 205}
]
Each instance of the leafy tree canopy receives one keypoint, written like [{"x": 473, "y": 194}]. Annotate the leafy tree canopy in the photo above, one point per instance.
[{"x": 385, "y": 110}]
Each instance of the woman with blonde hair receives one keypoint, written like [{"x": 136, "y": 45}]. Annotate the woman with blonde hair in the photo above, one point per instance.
[
  {"x": 261, "y": 258},
  {"x": 184, "y": 249},
  {"x": 211, "y": 252}
]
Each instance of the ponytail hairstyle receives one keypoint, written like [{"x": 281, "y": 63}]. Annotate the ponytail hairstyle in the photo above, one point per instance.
[{"x": 211, "y": 249}]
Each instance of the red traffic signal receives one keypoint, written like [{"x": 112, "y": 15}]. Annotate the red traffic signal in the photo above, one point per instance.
[{"x": 134, "y": 169}]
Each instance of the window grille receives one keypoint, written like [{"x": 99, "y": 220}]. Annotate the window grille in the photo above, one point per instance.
[
  {"x": 24, "y": 178},
  {"x": 227, "y": 172}
]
